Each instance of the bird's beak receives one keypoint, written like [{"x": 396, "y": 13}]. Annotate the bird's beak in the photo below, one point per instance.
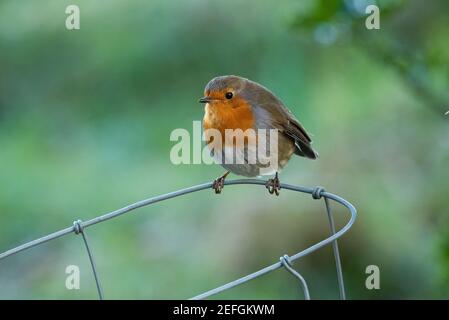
[{"x": 205, "y": 100}]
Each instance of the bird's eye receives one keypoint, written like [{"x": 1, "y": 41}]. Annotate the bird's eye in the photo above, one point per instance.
[{"x": 229, "y": 95}]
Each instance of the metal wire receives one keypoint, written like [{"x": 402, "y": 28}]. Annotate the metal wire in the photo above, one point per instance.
[
  {"x": 78, "y": 224},
  {"x": 296, "y": 256},
  {"x": 317, "y": 193},
  {"x": 341, "y": 284},
  {"x": 285, "y": 260}
]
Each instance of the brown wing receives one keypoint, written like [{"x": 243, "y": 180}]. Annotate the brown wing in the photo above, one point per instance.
[
  {"x": 302, "y": 140},
  {"x": 272, "y": 113}
]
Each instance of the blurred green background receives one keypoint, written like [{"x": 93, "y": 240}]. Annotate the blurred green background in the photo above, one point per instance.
[{"x": 85, "y": 120}]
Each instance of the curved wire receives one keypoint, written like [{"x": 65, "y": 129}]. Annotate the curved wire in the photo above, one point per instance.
[
  {"x": 146, "y": 202},
  {"x": 341, "y": 284},
  {"x": 285, "y": 260},
  {"x": 296, "y": 256},
  {"x": 78, "y": 224}
]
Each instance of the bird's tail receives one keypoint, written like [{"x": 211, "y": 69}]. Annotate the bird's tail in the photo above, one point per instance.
[{"x": 305, "y": 150}]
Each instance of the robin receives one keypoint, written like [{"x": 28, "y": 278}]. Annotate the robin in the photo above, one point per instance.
[{"x": 236, "y": 103}]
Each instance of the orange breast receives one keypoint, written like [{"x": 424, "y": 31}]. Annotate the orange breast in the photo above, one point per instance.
[{"x": 224, "y": 115}]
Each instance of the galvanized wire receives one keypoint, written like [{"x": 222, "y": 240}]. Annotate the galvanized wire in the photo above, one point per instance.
[
  {"x": 298, "y": 255},
  {"x": 317, "y": 193},
  {"x": 78, "y": 224},
  {"x": 341, "y": 284},
  {"x": 285, "y": 260}
]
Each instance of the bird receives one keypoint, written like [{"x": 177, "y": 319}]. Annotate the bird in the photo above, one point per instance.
[{"x": 236, "y": 103}]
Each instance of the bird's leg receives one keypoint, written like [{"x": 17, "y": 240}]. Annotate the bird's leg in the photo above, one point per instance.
[
  {"x": 274, "y": 185},
  {"x": 218, "y": 183}
]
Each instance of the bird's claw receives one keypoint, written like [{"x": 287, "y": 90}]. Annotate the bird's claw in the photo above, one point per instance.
[
  {"x": 218, "y": 183},
  {"x": 273, "y": 185}
]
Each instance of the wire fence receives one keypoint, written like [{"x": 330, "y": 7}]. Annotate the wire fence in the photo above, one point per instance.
[{"x": 79, "y": 227}]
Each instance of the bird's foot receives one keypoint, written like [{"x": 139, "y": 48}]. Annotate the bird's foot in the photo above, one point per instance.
[
  {"x": 218, "y": 183},
  {"x": 274, "y": 185}
]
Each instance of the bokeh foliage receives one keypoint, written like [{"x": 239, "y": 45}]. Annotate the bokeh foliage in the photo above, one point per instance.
[{"x": 85, "y": 119}]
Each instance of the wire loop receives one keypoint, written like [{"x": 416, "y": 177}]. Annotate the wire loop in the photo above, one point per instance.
[
  {"x": 286, "y": 263},
  {"x": 79, "y": 227},
  {"x": 317, "y": 192}
]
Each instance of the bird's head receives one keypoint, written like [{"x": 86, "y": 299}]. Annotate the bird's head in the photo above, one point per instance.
[{"x": 225, "y": 91}]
